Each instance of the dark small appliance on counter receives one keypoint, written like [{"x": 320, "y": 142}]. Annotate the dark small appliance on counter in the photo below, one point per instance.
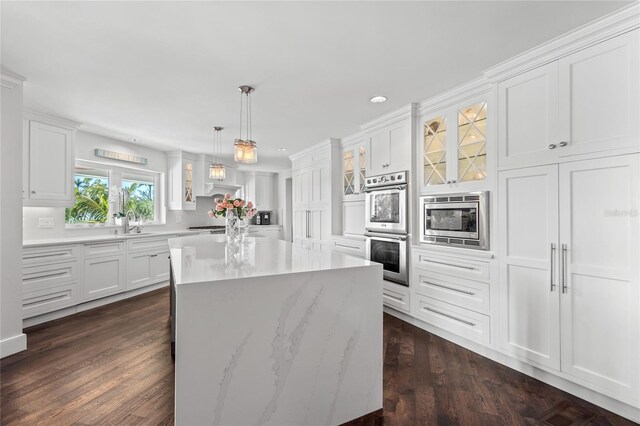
[{"x": 263, "y": 218}]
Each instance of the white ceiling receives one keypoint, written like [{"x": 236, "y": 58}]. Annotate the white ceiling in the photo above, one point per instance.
[{"x": 167, "y": 72}]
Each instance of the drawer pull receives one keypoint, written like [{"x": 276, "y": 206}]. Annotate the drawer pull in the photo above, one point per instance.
[
  {"x": 393, "y": 297},
  {"x": 51, "y": 254},
  {"x": 470, "y": 268},
  {"x": 469, "y": 323},
  {"x": 470, "y": 293},
  {"x": 347, "y": 246},
  {"x": 45, "y": 275}
]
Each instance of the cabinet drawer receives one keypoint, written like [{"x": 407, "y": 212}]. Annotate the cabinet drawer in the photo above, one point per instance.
[
  {"x": 451, "y": 265},
  {"x": 147, "y": 244},
  {"x": 52, "y": 254},
  {"x": 467, "y": 294},
  {"x": 395, "y": 296},
  {"x": 352, "y": 247},
  {"x": 463, "y": 322},
  {"x": 47, "y": 276},
  {"x": 49, "y": 299},
  {"x": 103, "y": 249}
]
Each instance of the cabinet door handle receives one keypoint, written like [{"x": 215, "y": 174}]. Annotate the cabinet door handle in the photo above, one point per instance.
[
  {"x": 552, "y": 268},
  {"x": 33, "y": 192},
  {"x": 347, "y": 246},
  {"x": 390, "y": 296},
  {"x": 552, "y": 146},
  {"x": 450, "y": 316},
  {"x": 563, "y": 143},
  {"x": 457, "y": 290},
  {"x": 564, "y": 268}
]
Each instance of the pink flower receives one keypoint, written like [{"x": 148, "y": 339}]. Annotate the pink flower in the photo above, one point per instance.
[
  {"x": 216, "y": 200},
  {"x": 219, "y": 207},
  {"x": 227, "y": 196},
  {"x": 229, "y": 206},
  {"x": 211, "y": 213},
  {"x": 236, "y": 203},
  {"x": 250, "y": 204}
]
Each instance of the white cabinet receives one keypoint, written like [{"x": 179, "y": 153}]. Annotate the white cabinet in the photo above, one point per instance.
[
  {"x": 454, "y": 145},
  {"x": 583, "y": 103},
  {"x": 180, "y": 181},
  {"x": 103, "y": 276},
  {"x": 353, "y": 217},
  {"x": 48, "y": 165},
  {"x": 569, "y": 286},
  {"x": 354, "y": 170},
  {"x": 389, "y": 149},
  {"x": 260, "y": 188},
  {"x": 353, "y": 246},
  {"x": 145, "y": 268},
  {"x": 268, "y": 231}
]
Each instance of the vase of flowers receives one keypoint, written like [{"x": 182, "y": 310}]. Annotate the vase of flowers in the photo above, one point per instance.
[{"x": 237, "y": 213}]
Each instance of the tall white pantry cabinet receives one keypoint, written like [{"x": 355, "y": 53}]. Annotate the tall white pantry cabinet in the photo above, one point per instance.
[{"x": 569, "y": 203}]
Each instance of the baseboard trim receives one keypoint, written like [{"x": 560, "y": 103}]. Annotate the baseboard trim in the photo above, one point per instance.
[
  {"x": 608, "y": 403},
  {"x": 13, "y": 345}
]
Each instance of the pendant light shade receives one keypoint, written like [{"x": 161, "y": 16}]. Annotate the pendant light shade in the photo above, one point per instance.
[
  {"x": 245, "y": 150},
  {"x": 216, "y": 169}
]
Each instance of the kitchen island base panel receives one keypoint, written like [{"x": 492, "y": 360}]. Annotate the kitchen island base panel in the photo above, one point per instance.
[{"x": 302, "y": 348}]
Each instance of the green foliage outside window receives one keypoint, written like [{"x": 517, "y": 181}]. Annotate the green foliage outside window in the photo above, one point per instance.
[{"x": 140, "y": 199}]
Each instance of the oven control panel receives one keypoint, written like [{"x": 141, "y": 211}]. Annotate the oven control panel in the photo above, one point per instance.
[{"x": 389, "y": 179}]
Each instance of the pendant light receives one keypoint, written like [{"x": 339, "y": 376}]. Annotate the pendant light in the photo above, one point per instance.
[
  {"x": 216, "y": 169},
  {"x": 245, "y": 150}
]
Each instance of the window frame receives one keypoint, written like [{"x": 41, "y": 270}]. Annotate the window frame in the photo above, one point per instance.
[{"x": 115, "y": 176}]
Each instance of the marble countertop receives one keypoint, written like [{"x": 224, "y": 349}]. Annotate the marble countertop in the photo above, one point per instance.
[
  {"x": 99, "y": 238},
  {"x": 207, "y": 258}
]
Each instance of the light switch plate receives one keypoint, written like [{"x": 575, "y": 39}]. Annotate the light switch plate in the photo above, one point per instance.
[
  {"x": 45, "y": 222},
  {"x": 178, "y": 218}
]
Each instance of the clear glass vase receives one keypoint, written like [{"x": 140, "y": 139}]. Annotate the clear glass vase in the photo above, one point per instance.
[{"x": 236, "y": 227}]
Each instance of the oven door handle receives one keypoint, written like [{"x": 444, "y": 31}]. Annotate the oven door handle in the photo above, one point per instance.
[
  {"x": 386, "y": 188},
  {"x": 386, "y": 236}
]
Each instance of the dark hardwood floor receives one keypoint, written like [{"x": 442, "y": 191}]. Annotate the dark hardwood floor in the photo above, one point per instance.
[{"x": 111, "y": 366}]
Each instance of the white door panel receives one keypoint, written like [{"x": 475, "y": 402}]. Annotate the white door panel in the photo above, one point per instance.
[
  {"x": 599, "y": 201},
  {"x": 529, "y": 303}
]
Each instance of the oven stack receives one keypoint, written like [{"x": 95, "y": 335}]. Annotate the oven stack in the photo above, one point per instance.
[{"x": 387, "y": 222}]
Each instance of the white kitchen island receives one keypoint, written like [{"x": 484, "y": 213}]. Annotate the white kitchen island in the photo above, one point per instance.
[{"x": 268, "y": 333}]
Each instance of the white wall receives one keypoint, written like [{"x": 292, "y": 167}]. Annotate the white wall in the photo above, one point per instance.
[
  {"x": 12, "y": 339},
  {"x": 85, "y": 145}
]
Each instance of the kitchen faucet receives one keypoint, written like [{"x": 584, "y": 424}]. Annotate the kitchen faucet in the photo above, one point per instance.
[{"x": 126, "y": 229}]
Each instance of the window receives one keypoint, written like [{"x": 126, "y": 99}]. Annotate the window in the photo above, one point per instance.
[
  {"x": 140, "y": 192},
  {"x": 100, "y": 190},
  {"x": 91, "y": 187}
]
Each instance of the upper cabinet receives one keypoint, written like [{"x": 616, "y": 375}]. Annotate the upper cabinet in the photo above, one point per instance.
[
  {"x": 180, "y": 181},
  {"x": 354, "y": 169},
  {"x": 260, "y": 188},
  {"x": 389, "y": 149},
  {"x": 453, "y": 143},
  {"x": 48, "y": 163},
  {"x": 584, "y": 103}
]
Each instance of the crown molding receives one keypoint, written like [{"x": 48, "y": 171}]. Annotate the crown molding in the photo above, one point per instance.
[
  {"x": 328, "y": 143},
  {"x": 403, "y": 113},
  {"x": 10, "y": 79},
  {"x": 609, "y": 26},
  {"x": 50, "y": 119},
  {"x": 454, "y": 96}
]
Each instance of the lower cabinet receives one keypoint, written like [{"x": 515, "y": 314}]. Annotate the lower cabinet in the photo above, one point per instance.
[
  {"x": 349, "y": 245},
  {"x": 268, "y": 231},
  {"x": 103, "y": 276},
  {"x": 396, "y": 296},
  {"x": 146, "y": 268}
]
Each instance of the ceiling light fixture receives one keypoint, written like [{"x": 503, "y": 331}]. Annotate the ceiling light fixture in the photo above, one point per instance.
[
  {"x": 378, "y": 99},
  {"x": 245, "y": 150},
  {"x": 282, "y": 149},
  {"x": 216, "y": 169}
]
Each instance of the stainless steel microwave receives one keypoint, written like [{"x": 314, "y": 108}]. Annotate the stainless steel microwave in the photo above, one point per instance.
[{"x": 460, "y": 220}]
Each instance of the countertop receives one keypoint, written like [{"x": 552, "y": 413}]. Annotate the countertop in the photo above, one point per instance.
[
  {"x": 101, "y": 238},
  {"x": 207, "y": 258}
]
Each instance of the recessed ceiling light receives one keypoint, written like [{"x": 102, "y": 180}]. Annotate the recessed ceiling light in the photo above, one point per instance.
[
  {"x": 282, "y": 149},
  {"x": 378, "y": 99},
  {"x": 135, "y": 140}
]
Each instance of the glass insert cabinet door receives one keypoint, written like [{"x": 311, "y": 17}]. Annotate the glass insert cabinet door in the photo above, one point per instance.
[
  {"x": 458, "y": 154},
  {"x": 354, "y": 167},
  {"x": 188, "y": 182}
]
